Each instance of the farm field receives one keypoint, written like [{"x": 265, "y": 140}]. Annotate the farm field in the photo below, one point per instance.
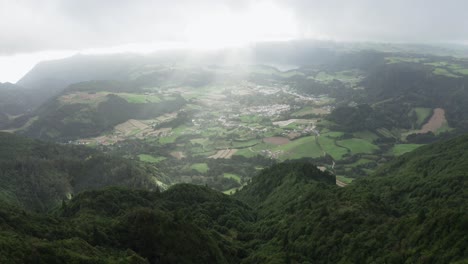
[
  {"x": 150, "y": 158},
  {"x": 357, "y": 145},
  {"x": 255, "y": 121}
]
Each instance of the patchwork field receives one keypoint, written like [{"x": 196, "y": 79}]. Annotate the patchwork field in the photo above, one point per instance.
[{"x": 249, "y": 123}]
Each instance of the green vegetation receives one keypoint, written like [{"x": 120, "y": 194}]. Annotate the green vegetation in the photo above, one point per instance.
[
  {"x": 412, "y": 209},
  {"x": 403, "y": 59},
  {"x": 344, "y": 179},
  {"x": 400, "y": 149},
  {"x": 299, "y": 148},
  {"x": 444, "y": 128},
  {"x": 305, "y": 111},
  {"x": 139, "y": 98},
  {"x": 247, "y": 153},
  {"x": 356, "y": 145},
  {"x": 187, "y": 113},
  {"x": 422, "y": 114},
  {"x": 462, "y": 71},
  {"x": 361, "y": 162},
  {"x": 70, "y": 121},
  {"x": 167, "y": 140},
  {"x": 231, "y": 191},
  {"x": 244, "y": 144},
  {"x": 150, "y": 158},
  {"x": 38, "y": 175},
  {"x": 444, "y": 72},
  {"x": 366, "y": 135},
  {"x": 232, "y": 176},
  {"x": 200, "y": 167},
  {"x": 333, "y": 134},
  {"x": 328, "y": 145}
]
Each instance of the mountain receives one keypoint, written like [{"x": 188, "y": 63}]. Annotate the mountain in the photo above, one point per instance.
[
  {"x": 39, "y": 176},
  {"x": 14, "y": 101},
  {"x": 412, "y": 210},
  {"x": 90, "y": 108}
]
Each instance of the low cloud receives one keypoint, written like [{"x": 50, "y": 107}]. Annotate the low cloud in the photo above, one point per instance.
[{"x": 31, "y": 26}]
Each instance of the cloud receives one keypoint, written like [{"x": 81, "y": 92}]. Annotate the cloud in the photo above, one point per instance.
[
  {"x": 381, "y": 20},
  {"x": 32, "y": 26}
]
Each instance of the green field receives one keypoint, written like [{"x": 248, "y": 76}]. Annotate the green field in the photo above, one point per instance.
[
  {"x": 444, "y": 128},
  {"x": 244, "y": 144},
  {"x": 150, "y": 158},
  {"x": 332, "y": 134},
  {"x": 391, "y": 60},
  {"x": 444, "y": 72},
  {"x": 344, "y": 179},
  {"x": 400, "y": 149},
  {"x": 328, "y": 145},
  {"x": 356, "y": 145},
  {"x": 201, "y": 141},
  {"x": 230, "y": 191},
  {"x": 232, "y": 176},
  {"x": 167, "y": 140},
  {"x": 300, "y": 148},
  {"x": 200, "y": 167},
  {"x": 250, "y": 118},
  {"x": 422, "y": 114},
  {"x": 462, "y": 71},
  {"x": 246, "y": 153},
  {"x": 366, "y": 135},
  {"x": 456, "y": 68}
]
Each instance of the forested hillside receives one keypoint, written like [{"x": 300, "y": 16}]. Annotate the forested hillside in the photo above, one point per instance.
[
  {"x": 38, "y": 175},
  {"x": 413, "y": 210}
]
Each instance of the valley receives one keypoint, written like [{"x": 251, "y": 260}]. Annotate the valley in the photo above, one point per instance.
[
  {"x": 233, "y": 132},
  {"x": 199, "y": 122}
]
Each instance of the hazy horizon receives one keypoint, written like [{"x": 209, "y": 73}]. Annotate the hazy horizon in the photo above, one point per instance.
[{"x": 54, "y": 29}]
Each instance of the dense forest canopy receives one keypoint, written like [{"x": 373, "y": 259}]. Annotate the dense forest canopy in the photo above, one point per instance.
[{"x": 413, "y": 210}]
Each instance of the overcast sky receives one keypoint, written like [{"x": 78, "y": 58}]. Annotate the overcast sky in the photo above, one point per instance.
[{"x": 33, "y": 30}]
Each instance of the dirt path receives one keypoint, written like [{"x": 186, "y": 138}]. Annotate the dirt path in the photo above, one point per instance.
[{"x": 436, "y": 121}]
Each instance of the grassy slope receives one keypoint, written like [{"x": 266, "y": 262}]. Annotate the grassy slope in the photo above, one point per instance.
[
  {"x": 299, "y": 148},
  {"x": 356, "y": 145},
  {"x": 400, "y": 149},
  {"x": 200, "y": 167}
]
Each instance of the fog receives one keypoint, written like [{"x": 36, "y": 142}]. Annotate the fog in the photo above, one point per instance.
[{"x": 49, "y": 29}]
